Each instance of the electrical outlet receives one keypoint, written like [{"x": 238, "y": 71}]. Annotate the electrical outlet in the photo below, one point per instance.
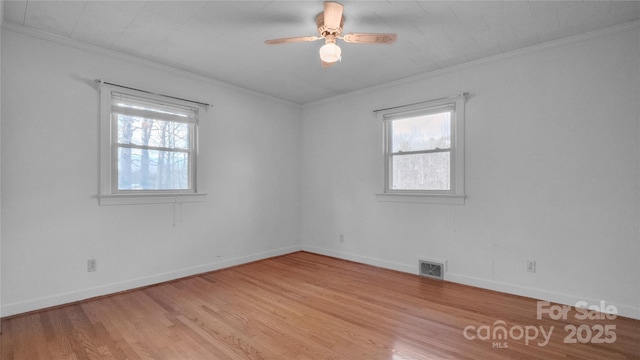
[
  {"x": 531, "y": 266},
  {"x": 92, "y": 265}
]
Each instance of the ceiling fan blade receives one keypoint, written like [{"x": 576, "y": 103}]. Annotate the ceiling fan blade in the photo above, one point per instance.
[
  {"x": 332, "y": 14},
  {"x": 370, "y": 38},
  {"x": 292, "y": 40}
]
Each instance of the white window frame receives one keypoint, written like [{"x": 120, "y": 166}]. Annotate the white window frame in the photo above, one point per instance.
[
  {"x": 109, "y": 194},
  {"x": 456, "y": 193}
]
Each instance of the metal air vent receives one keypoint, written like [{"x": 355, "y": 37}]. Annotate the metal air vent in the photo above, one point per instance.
[{"x": 432, "y": 269}]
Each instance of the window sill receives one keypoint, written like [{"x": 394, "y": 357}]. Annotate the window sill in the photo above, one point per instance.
[
  {"x": 422, "y": 198},
  {"x": 107, "y": 200}
]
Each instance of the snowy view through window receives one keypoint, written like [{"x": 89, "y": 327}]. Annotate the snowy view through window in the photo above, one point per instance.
[{"x": 421, "y": 151}]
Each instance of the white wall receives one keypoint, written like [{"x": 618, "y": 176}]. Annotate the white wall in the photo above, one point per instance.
[
  {"x": 552, "y": 174},
  {"x": 638, "y": 100},
  {"x": 1, "y": 21},
  {"x": 52, "y": 223}
]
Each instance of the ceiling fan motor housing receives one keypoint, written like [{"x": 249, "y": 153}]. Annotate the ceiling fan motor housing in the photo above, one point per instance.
[{"x": 323, "y": 30}]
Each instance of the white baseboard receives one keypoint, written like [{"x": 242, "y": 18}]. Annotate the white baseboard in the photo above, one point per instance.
[
  {"x": 625, "y": 310},
  {"x": 555, "y": 297},
  {"x": 361, "y": 259},
  {"x": 69, "y": 297},
  {"x": 65, "y": 298}
]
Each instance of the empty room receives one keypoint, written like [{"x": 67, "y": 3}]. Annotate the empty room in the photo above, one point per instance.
[{"x": 375, "y": 180}]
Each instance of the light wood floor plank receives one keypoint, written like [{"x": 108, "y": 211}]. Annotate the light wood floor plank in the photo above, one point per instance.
[{"x": 307, "y": 307}]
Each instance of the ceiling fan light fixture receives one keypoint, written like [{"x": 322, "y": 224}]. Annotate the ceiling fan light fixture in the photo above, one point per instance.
[{"x": 330, "y": 52}]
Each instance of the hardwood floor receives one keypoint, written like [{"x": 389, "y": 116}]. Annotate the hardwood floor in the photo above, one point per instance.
[{"x": 305, "y": 306}]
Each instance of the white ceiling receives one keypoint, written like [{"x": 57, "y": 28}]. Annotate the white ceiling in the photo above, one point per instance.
[{"x": 224, "y": 40}]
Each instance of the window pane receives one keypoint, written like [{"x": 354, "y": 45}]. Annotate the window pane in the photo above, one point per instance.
[
  {"x": 142, "y": 169},
  {"x": 148, "y": 132},
  {"x": 426, "y": 132},
  {"x": 421, "y": 171}
]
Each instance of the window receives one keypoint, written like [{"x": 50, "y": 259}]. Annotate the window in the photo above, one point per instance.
[
  {"x": 148, "y": 148},
  {"x": 424, "y": 151}
]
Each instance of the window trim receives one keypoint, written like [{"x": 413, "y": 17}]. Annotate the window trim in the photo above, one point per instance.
[
  {"x": 456, "y": 194},
  {"x": 109, "y": 195}
]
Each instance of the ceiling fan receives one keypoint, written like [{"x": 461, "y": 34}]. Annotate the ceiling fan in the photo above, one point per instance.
[{"x": 330, "y": 23}]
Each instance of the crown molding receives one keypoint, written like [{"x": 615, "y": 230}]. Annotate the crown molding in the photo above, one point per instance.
[
  {"x": 549, "y": 45},
  {"x": 65, "y": 41},
  {"x": 566, "y": 41}
]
